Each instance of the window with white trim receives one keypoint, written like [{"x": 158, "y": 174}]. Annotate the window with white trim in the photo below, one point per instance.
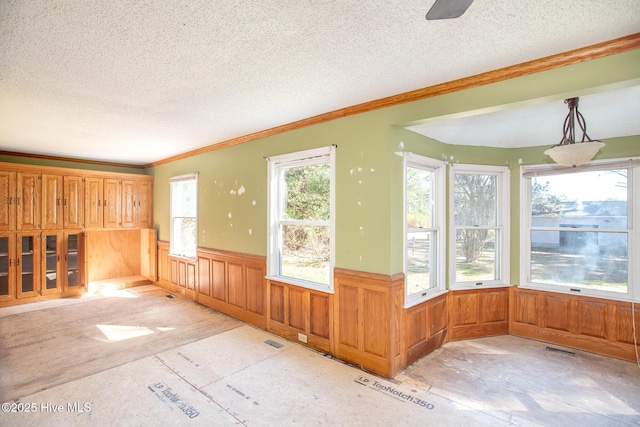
[
  {"x": 424, "y": 202},
  {"x": 301, "y": 218},
  {"x": 184, "y": 215},
  {"x": 580, "y": 228},
  {"x": 479, "y": 242}
]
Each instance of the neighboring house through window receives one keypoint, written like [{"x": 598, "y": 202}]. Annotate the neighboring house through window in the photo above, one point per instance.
[
  {"x": 184, "y": 213},
  {"x": 301, "y": 218},
  {"x": 580, "y": 228}
]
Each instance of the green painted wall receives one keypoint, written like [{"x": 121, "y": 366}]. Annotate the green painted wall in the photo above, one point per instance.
[{"x": 232, "y": 185}]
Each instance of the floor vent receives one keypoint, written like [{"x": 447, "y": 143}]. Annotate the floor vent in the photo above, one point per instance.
[
  {"x": 559, "y": 350},
  {"x": 169, "y": 296},
  {"x": 273, "y": 343}
]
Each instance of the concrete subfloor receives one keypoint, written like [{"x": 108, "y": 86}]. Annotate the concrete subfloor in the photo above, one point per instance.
[{"x": 136, "y": 357}]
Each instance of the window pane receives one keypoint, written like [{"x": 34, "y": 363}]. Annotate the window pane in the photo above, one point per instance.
[
  {"x": 420, "y": 258},
  {"x": 419, "y": 198},
  {"x": 305, "y": 253},
  {"x": 184, "y": 237},
  {"x": 184, "y": 195},
  {"x": 475, "y": 200},
  {"x": 307, "y": 192},
  {"x": 183, "y": 198},
  {"x": 476, "y": 255},
  {"x": 596, "y": 260},
  {"x": 596, "y": 199}
]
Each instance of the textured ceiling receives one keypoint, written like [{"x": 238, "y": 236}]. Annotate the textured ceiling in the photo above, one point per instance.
[{"x": 140, "y": 81}]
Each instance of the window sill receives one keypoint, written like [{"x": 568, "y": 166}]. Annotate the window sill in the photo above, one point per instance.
[
  {"x": 416, "y": 301},
  {"x": 483, "y": 286},
  {"x": 584, "y": 292},
  {"x": 186, "y": 258},
  {"x": 301, "y": 283}
]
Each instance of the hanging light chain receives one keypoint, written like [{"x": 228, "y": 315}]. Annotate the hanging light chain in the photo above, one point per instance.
[{"x": 569, "y": 128}]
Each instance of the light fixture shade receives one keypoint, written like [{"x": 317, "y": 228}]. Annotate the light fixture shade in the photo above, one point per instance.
[{"x": 574, "y": 154}]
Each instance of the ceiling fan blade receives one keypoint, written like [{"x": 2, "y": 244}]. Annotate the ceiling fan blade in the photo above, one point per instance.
[{"x": 448, "y": 9}]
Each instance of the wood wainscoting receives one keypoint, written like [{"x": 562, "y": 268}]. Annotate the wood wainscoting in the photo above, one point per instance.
[
  {"x": 365, "y": 323},
  {"x": 176, "y": 274},
  {"x": 426, "y": 326},
  {"x": 369, "y": 320},
  {"x": 597, "y": 325},
  {"x": 475, "y": 313},
  {"x": 234, "y": 284},
  {"x": 300, "y": 314}
]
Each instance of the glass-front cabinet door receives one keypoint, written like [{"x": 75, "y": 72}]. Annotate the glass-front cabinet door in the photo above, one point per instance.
[
  {"x": 7, "y": 267},
  {"x": 27, "y": 266},
  {"x": 72, "y": 266},
  {"x": 51, "y": 266}
]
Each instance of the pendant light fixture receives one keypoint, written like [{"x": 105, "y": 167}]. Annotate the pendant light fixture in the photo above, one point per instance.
[{"x": 568, "y": 152}]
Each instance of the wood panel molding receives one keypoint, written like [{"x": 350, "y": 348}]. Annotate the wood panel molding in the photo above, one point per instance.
[
  {"x": 232, "y": 283},
  {"x": 597, "y": 325},
  {"x": 293, "y": 310},
  {"x": 369, "y": 327},
  {"x": 426, "y": 326},
  {"x": 476, "y": 313}
]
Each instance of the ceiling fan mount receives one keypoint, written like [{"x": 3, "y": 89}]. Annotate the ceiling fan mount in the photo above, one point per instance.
[{"x": 448, "y": 9}]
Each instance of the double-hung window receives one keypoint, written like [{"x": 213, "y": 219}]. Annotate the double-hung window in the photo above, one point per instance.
[
  {"x": 184, "y": 212},
  {"x": 424, "y": 201},
  {"x": 479, "y": 248},
  {"x": 301, "y": 218},
  {"x": 580, "y": 228}
]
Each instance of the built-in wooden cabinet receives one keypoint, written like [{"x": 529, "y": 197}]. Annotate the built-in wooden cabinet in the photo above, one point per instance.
[
  {"x": 144, "y": 211},
  {"x": 44, "y": 214},
  {"x": 93, "y": 202},
  {"x": 7, "y": 267},
  {"x": 52, "y": 272},
  {"x": 27, "y": 274},
  {"x": 7, "y": 200},
  {"x": 51, "y": 200},
  {"x": 136, "y": 208},
  {"x": 72, "y": 262},
  {"x": 28, "y": 201},
  {"x": 73, "y": 202},
  {"x": 128, "y": 203}
]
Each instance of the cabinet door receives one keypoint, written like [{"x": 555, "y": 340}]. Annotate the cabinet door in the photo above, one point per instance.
[
  {"x": 73, "y": 202},
  {"x": 145, "y": 204},
  {"x": 51, "y": 201},
  {"x": 112, "y": 203},
  {"x": 27, "y": 265},
  {"x": 28, "y": 201},
  {"x": 93, "y": 200},
  {"x": 73, "y": 262},
  {"x": 129, "y": 208},
  {"x": 51, "y": 265},
  {"x": 7, "y": 267},
  {"x": 7, "y": 201}
]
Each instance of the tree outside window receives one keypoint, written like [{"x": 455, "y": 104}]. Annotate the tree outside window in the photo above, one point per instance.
[
  {"x": 301, "y": 194},
  {"x": 479, "y": 221}
]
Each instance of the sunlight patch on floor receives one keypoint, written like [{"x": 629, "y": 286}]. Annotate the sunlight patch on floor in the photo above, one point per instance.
[
  {"x": 116, "y": 333},
  {"x": 109, "y": 289}
]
